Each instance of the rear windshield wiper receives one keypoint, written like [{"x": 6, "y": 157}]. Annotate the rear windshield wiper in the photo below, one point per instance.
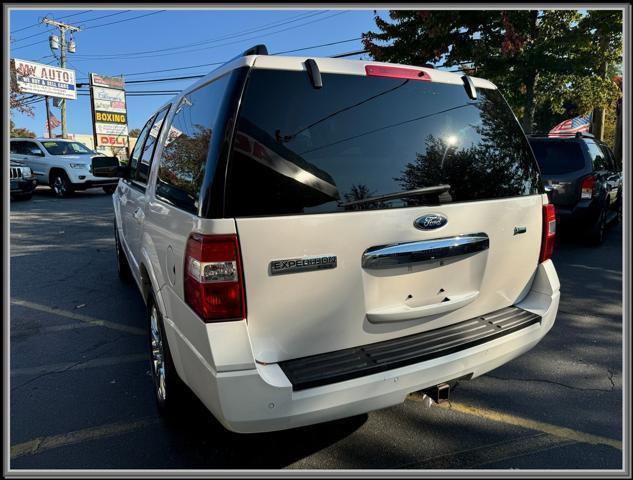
[{"x": 395, "y": 195}]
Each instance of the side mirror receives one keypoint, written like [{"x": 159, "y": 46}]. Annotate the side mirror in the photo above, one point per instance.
[
  {"x": 108, "y": 167},
  {"x": 36, "y": 151}
]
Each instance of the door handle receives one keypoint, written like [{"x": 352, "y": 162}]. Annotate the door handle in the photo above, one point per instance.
[
  {"x": 391, "y": 256},
  {"x": 138, "y": 215},
  {"x": 405, "y": 312}
]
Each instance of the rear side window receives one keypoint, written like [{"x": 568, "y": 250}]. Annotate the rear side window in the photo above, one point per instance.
[
  {"x": 558, "y": 157},
  {"x": 142, "y": 172},
  {"x": 598, "y": 157},
  {"x": 181, "y": 169},
  {"x": 298, "y": 149}
]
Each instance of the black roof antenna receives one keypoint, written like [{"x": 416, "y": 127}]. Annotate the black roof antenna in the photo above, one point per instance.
[
  {"x": 314, "y": 73},
  {"x": 470, "y": 87}
]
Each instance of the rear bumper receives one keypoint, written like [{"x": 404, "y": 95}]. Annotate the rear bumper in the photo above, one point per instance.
[
  {"x": 585, "y": 213},
  {"x": 263, "y": 399}
]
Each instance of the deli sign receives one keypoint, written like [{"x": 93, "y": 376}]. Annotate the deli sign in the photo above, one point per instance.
[
  {"x": 109, "y": 111},
  {"x": 47, "y": 80}
]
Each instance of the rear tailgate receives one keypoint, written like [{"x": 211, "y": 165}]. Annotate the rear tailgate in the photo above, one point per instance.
[
  {"x": 562, "y": 163},
  {"x": 306, "y": 183},
  {"x": 300, "y": 314}
]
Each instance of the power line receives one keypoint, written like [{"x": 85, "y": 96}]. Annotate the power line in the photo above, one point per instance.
[
  {"x": 228, "y": 36},
  {"x": 103, "y": 16},
  {"x": 188, "y": 77},
  {"x": 38, "y": 24},
  {"x": 125, "y": 20},
  {"x": 95, "y": 26},
  {"x": 106, "y": 57},
  {"x": 83, "y": 21}
]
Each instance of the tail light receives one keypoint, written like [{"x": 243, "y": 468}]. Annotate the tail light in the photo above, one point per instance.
[
  {"x": 588, "y": 187},
  {"x": 213, "y": 284},
  {"x": 549, "y": 232}
]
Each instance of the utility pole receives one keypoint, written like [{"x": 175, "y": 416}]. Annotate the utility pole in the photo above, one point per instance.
[
  {"x": 48, "y": 117},
  {"x": 63, "y": 28}
]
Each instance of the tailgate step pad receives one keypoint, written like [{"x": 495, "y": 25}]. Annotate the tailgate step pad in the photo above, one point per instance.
[{"x": 332, "y": 367}]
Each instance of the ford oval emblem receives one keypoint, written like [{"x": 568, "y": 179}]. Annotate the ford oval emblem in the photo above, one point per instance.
[{"x": 430, "y": 221}]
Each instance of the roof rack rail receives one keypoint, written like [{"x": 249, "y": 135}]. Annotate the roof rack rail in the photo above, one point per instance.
[{"x": 259, "y": 49}]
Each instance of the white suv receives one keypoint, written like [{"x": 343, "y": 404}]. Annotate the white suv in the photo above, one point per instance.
[
  {"x": 64, "y": 165},
  {"x": 316, "y": 238}
]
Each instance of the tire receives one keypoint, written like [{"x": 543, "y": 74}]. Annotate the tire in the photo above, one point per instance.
[
  {"x": 598, "y": 231},
  {"x": 62, "y": 188},
  {"x": 123, "y": 267},
  {"x": 22, "y": 196},
  {"x": 109, "y": 189},
  {"x": 169, "y": 390}
]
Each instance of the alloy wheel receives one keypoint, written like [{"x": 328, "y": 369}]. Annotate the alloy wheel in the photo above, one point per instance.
[
  {"x": 59, "y": 186},
  {"x": 158, "y": 356}
]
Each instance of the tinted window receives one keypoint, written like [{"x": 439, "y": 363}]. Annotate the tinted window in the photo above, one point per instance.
[
  {"x": 143, "y": 167},
  {"x": 610, "y": 159},
  {"x": 557, "y": 157},
  {"x": 598, "y": 157},
  {"x": 181, "y": 169},
  {"x": 298, "y": 149},
  {"x": 18, "y": 147},
  {"x": 138, "y": 147},
  {"x": 65, "y": 148}
]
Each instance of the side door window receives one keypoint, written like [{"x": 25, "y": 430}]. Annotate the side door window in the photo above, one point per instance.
[
  {"x": 598, "y": 157},
  {"x": 33, "y": 149},
  {"x": 138, "y": 148},
  {"x": 147, "y": 152},
  {"x": 15, "y": 147},
  {"x": 612, "y": 164}
]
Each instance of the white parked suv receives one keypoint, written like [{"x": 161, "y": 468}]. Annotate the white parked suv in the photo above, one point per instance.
[
  {"x": 64, "y": 165},
  {"x": 316, "y": 238}
]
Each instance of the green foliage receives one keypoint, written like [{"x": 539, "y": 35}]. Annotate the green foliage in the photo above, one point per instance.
[
  {"x": 20, "y": 132},
  {"x": 544, "y": 61}
]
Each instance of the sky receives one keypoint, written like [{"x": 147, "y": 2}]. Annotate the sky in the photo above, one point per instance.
[{"x": 131, "y": 42}]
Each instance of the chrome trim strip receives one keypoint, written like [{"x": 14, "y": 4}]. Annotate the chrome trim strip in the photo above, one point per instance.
[{"x": 411, "y": 253}]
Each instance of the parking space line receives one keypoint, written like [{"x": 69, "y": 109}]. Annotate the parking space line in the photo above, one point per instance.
[
  {"x": 42, "y": 444},
  {"x": 24, "y": 332},
  {"x": 556, "y": 430},
  {"x": 78, "y": 316},
  {"x": 490, "y": 452},
  {"x": 70, "y": 366}
]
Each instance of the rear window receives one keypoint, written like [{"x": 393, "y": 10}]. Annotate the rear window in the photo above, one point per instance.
[
  {"x": 557, "y": 157},
  {"x": 298, "y": 149}
]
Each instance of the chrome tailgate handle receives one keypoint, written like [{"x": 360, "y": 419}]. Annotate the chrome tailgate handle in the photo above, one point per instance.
[{"x": 411, "y": 253}]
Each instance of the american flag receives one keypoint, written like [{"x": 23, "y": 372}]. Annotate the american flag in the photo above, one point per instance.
[
  {"x": 570, "y": 127},
  {"x": 54, "y": 122}
]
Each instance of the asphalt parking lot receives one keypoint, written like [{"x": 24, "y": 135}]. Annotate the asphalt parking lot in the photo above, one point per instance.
[{"x": 81, "y": 394}]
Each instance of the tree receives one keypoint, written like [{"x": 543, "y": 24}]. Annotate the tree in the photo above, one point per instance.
[
  {"x": 17, "y": 99},
  {"x": 532, "y": 55},
  {"x": 135, "y": 132},
  {"x": 20, "y": 132}
]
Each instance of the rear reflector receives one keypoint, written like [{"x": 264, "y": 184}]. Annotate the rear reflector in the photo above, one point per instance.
[
  {"x": 213, "y": 283},
  {"x": 588, "y": 187},
  {"x": 396, "y": 72},
  {"x": 549, "y": 232}
]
